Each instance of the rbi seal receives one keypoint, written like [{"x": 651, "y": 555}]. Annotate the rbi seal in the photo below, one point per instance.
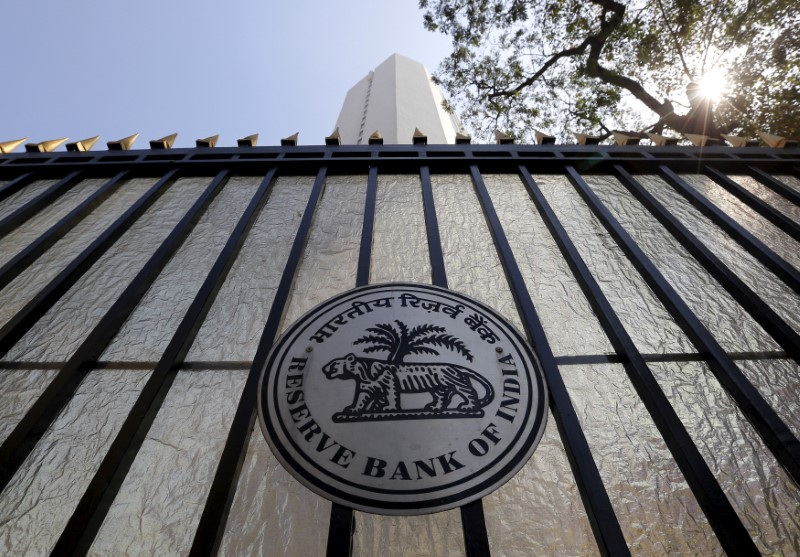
[{"x": 402, "y": 399}]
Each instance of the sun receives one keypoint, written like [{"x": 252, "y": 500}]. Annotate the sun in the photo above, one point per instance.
[{"x": 713, "y": 85}]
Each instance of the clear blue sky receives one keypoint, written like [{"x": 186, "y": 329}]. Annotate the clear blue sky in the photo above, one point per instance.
[{"x": 80, "y": 68}]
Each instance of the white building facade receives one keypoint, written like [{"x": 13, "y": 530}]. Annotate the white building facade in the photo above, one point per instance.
[{"x": 394, "y": 99}]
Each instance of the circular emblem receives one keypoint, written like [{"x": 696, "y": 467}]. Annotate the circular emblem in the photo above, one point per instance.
[{"x": 402, "y": 399}]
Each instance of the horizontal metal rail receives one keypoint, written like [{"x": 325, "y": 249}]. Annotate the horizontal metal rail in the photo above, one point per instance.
[
  {"x": 21, "y": 441},
  {"x": 732, "y": 534},
  {"x": 212, "y": 522},
  {"x": 604, "y": 522},
  {"x": 88, "y": 516},
  {"x": 776, "y": 435}
]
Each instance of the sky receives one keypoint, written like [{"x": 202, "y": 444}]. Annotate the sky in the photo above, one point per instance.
[{"x": 82, "y": 68}]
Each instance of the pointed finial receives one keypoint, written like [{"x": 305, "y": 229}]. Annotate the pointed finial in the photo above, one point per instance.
[
  {"x": 778, "y": 141},
  {"x": 544, "y": 138},
  {"x": 45, "y": 146},
  {"x": 419, "y": 138},
  {"x": 165, "y": 142},
  {"x": 503, "y": 138},
  {"x": 83, "y": 144},
  {"x": 700, "y": 140},
  {"x": 290, "y": 141},
  {"x": 626, "y": 137},
  {"x": 8, "y": 146},
  {"x": 738, "y": 141},
  {"x": 123, "y": 144},
  {"x": 334, "y": 139},
  {"x": 376, "y": 138},
  {"x": 248, "y": 141},
  {"x": 662, "y": 140},
  {"x": 463, "y": 139},
  {"x": 586, "y": 139},
  {"x": 210, "y": 141}
]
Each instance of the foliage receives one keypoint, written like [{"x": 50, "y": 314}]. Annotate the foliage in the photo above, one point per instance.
[
  {"x": 401, "y": 342},
  {"x": 588, "y": 65}
]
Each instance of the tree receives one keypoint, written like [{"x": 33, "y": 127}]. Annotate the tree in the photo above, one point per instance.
[
  {"x": 400, "y": 342},
  {"x": 574, "y": 65}
]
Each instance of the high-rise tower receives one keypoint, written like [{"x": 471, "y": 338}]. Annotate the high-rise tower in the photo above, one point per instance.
[{"x": 393, "y": 99}]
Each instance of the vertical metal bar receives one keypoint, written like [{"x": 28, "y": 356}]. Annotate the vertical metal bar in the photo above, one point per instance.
[
  {"x": 15, "y": 185},
  {"x": 777, "y": 218},
  {"x": 764, "y": 315},
  {"x": 341, "y": 527},
  {"x": 47, "y": 407},
  {"x": 35, "y": 249},
  {"x": 781, "y": 441},
  {"x": 775, "y": 185},
  {"x": 212, "y": 522},
  {"x": 476, "y": 538},
  {"x": 24, "y": 319},
  {"x": 85, "y": 522},
  {"x": 342, "y": 521},
  {"x": 473, "y": 524},
  {"x": 602, "y": 518},
  {"x": 439, "y": 275},
  {"x": 365, "y": 250},
  {"x": 38, "y": 203},
  {"x": 732, "y": 534},
  {"x": 754, "y": 246}
]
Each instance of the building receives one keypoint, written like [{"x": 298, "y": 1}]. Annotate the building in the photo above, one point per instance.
[
  {"x": 395, "y": 99},
  {"x": 142, "y": 289}
]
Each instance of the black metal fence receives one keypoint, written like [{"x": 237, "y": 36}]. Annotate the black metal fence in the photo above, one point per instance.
[{"x": 78, "y": 529}]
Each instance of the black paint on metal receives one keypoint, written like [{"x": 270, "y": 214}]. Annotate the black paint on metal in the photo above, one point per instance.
[
  {"x": 753, "y": 245},
  {"x": 85, "y": 522},
  {"x": 476, "y": 539},
  {"x": 212, "y": 522},
  {"x": 602, "y": 518},
  {"x": 732, "y": 534},
  {"x": 35, "y": 249},
  {"x": 439, "y": 275},
  {"x": 15, "y": 185},
  {"x": 784, "y": 223},
  {"x": 340, "y": 531},
  {"x": 38, "y": 203},
  {"x": 776, "y": 185},
  {"x": 25, "y": 318},
  {"x": 776, "y": 435},
  {"x": 365, "y": 250},
  {"x": 764, "y": 315},
  {"x": 341, "y": 524},
  {"x": 47, "y": 407}
]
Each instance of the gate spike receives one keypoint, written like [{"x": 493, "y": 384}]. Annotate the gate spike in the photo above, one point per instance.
[
  {"x": 83, "y": 144},
  {"x": 739, "y": 141},
  {"x": 165, "y": 142},
  {"x": 248, "y": 141},
  {"x": 123, "y": 144},
  {"x": 376, "y": 138},
  {"x": 210, "y": 141},
  {"x": 8, "y": 146},
  {"x": 544, "y": 138},
  {"x": 503, "y": 138},
  {"x": 334, "y": 139},
  {"x": 463, "y": 139},
  {"x": 586, "y": 139},
  {"x": 290, "y": 141},
  {"x": 419, "y": 138},
  {"x": 47, "y": 146},
  {"x": 662, "y": 140}
]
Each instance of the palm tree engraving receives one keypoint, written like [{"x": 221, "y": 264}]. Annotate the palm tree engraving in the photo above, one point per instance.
[{"x": 400, "y": 342}]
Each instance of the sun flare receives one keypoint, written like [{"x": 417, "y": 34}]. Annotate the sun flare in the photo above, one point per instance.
[{"x": 713, "y": 85}]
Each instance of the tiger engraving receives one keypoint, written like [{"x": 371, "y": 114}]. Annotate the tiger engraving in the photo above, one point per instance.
[{"x": 379, "y": 384}]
